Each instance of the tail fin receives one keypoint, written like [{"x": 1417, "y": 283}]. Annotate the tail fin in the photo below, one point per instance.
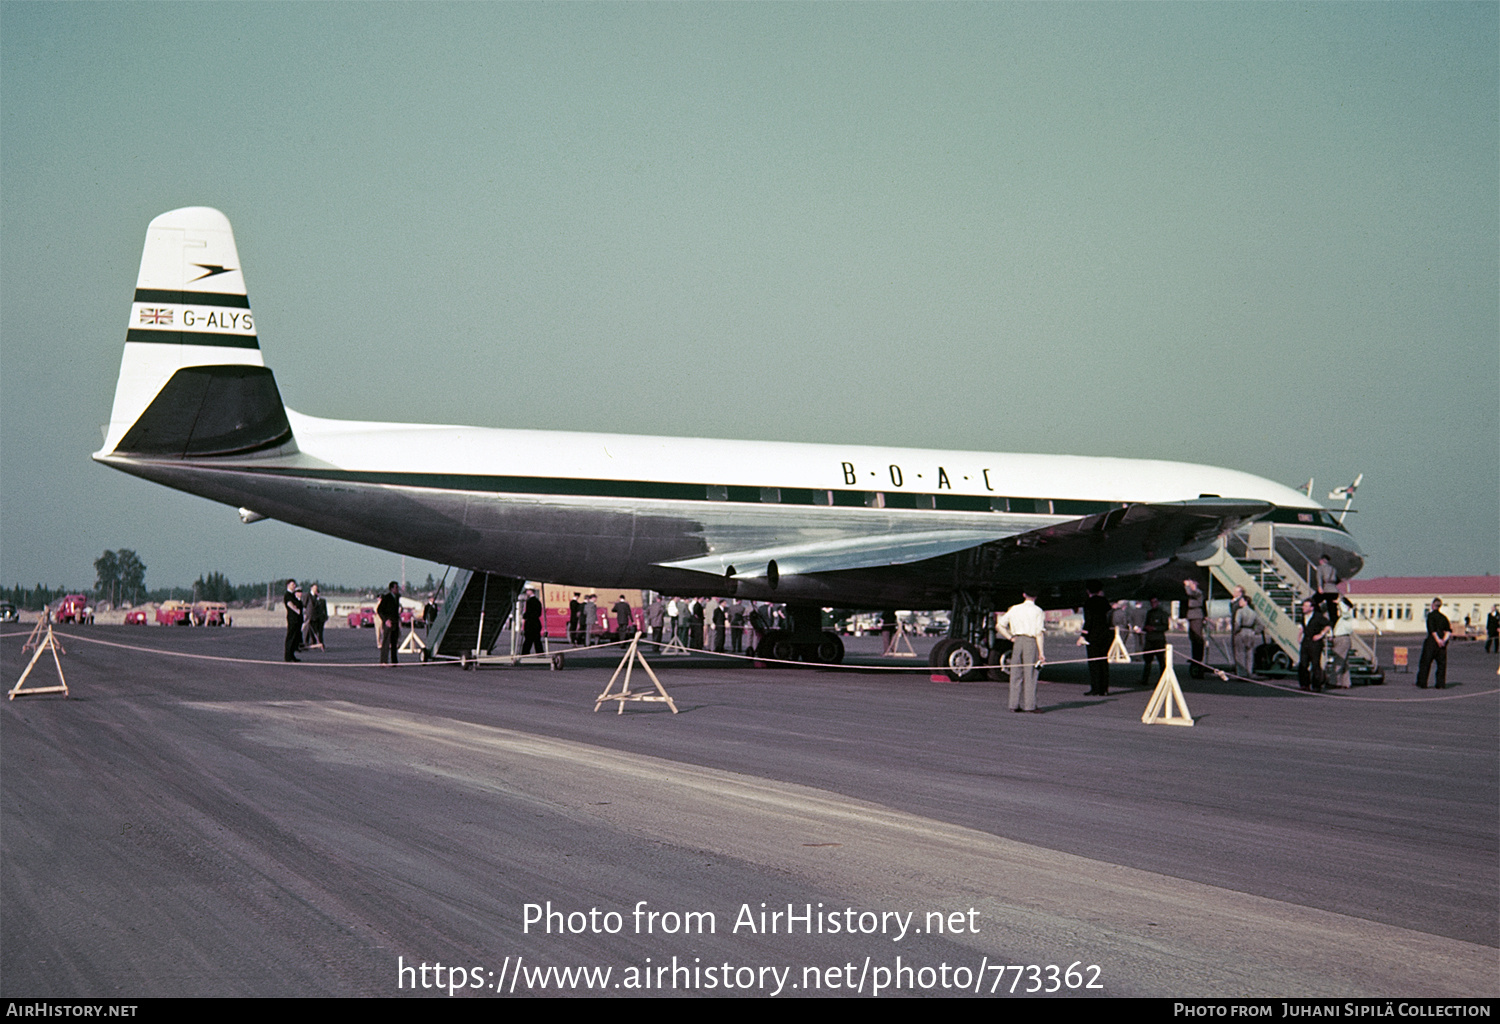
[{"x": 192, "y": 382}]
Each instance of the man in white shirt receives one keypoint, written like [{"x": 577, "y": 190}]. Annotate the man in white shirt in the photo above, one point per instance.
[
  {"x": 1025, "y": 624},
  {"x": 1343, "y": 631},
  {"x": 673, "y": 611}
]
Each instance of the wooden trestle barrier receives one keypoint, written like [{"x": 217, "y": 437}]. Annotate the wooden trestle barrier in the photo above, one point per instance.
[
  {"x": 42, "y": 639},
  {"x": 633, "y": 655}
]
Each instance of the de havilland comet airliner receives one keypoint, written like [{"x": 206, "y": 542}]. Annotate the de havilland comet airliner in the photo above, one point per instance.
[{"x": 810, "y": 525}]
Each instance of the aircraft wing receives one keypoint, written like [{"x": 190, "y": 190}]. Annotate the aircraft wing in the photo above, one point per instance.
[
  {"x": 1125, "y": 541},
  {"x": 835, "y": 555}
]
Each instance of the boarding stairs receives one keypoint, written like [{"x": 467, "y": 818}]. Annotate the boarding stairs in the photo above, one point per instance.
[
  {"x": 1276, "y": 591},
  {"x": 476, "y": 610}
]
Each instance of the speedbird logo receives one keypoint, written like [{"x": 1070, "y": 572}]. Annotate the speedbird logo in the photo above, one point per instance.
[{"x": 213, "y": 270}]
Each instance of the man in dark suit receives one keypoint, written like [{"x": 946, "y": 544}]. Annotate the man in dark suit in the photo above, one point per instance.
[
  {"x": 1097, "y": 635},
  {"x": 1315, "y": 630},
  {"x": 1435, "y": 646},
  {"x": 388, "y": 611},
  {"x": 1153, "y": 640},
  {"x": 293, "y": 621},
  {"x": 531, "y": 621},
  {"x": 720, "y": 619},
  {"x": 737, "y": 626},
  {"x": 575, "y": 620},
  {"x": 317, "y": 617},
  {"x": 624, "y": 618},
  {"x": 1193, "y": 611}
]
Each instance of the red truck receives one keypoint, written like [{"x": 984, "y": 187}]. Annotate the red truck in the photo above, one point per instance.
[
  {"x": 174, "y": 613},
  {"x": 366, "y": 617},
  {"x": 210, "y": 613},
  {"x": 74, "y": 608}
]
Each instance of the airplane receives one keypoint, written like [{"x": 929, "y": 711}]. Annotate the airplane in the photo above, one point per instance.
[{"x": 807, "y": 525}]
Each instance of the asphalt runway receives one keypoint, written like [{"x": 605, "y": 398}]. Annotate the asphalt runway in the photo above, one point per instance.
[{"x": 185, "y": 827}]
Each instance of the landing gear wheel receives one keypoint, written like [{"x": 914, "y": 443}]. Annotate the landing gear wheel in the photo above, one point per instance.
[
  {"x": 1282, "y": 661},
  {"x": 959, "y": 658},
  {"x": 829, "y": 650},
  {"x": 775, "y": 646},
  {"x": 1000, "y": 660},
  {"x": 964, "y": 661}
]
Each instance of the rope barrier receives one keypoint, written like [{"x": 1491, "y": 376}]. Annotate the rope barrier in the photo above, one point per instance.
[
  {"x": 450, "y": 660},
  {"x": 1336, "y": 691},
  {"x": 237, "y": 661}
]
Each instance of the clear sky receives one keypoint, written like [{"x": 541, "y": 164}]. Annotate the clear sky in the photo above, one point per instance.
[{"x": 1263, "y": 236}]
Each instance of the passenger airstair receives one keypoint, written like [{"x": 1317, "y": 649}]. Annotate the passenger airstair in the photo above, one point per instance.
[
  {"x": 477, "y": 607},
  {"x": 1276, "y": 590}
]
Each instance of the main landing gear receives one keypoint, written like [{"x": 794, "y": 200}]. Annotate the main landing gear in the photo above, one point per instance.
[
  {"x": 971, "y": 648},
  {"x": 806, "y": 640},
  {"x": 959, "y": 658},
  {"x": 964, "y": 660}
]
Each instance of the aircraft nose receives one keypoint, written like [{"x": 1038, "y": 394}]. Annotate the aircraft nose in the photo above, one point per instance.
[{"x": 1349, "y": 559}]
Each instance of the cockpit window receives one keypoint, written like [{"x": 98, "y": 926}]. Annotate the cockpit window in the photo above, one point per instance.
[{"x": 1306, "y": 517}]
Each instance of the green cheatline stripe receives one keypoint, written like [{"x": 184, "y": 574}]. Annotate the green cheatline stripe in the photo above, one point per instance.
[
  {"x": 192, "y": 298},
  {"x": 605, "y": 488},
  {"x": 665, "y": 491},
  {"x": 192, "y": 338}
]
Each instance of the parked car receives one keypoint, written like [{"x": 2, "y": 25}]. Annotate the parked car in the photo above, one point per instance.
[
  {"x": 135, "y": 617},
  {"x": 74, "y": 608},
  {"x": 174, "y": 613},
  {"x": 362, "y": 617},
  {"x": 7, "y": 612},
  {"x": 210, "y": 613}
]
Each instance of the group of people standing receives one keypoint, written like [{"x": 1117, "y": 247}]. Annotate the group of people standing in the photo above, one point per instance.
[
  {"x": 583, "y": 619},
  {"x": 306, "y": 615},
  {"x": 1145, "y": 629},
  {"x": 703, "y": 623},
  {"x": 1323, "y": 624},
  {"x": 1024, "y": 625},
  {"x": 690, "y": 622}
]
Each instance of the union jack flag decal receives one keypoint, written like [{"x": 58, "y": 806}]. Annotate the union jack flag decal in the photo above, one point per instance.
[{"x": 155, "y": 315}]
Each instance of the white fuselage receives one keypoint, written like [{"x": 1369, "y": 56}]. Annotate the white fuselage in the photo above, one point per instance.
[{"x": 676, "y": 514}]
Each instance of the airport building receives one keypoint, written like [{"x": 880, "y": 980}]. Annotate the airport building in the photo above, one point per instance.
[{"x": 1398, "y": 604}]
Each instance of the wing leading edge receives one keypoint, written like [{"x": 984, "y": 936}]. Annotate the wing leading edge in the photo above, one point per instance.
[
  {"x": 836, "y": 555},
  {"x": 1126, "y": 541}
]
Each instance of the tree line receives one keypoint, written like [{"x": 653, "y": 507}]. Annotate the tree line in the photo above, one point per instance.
[
  {"x": 120, "y": 577},
  {"x": 33, "y": 598}
]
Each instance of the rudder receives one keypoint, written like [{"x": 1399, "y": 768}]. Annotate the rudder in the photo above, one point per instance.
[{"x": 192, "y": 380}]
